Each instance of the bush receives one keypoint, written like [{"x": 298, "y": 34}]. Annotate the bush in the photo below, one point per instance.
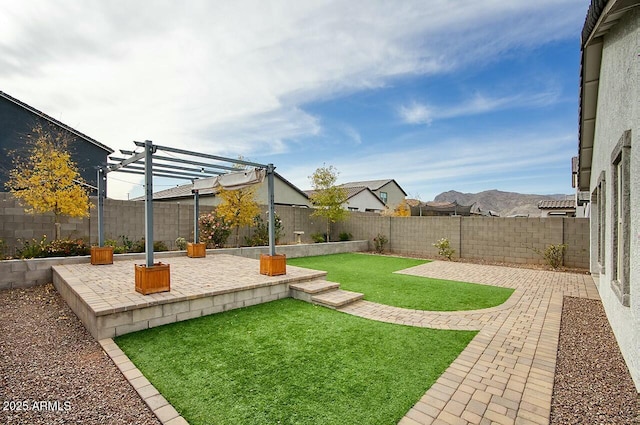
[
  {"x": 214, "y": 231},
  {"x": 32, "y": 249},
  {"x": 137, "y": 246},
  {"x": 553, "y": 254},
  {"x": 56, "y": 248},
  {"x": 160, "y": 246},
  {"x": 117, "y": 249},
  {"x": 318, "y": 237},
  {"x": 3, "y": 249},
  {"x": 345, "y": 236},
  {"x": 444, "y": 248},
  {"x": 379, "y": 243},
  {"x": 66, "y": 248},
  {"x": 181, "y": 244},
  {"x": 260, "y": 235}
]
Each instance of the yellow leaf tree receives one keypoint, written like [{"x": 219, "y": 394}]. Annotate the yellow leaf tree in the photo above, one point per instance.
[
  {"x": 46, "y": 179},
  {"x": 238, "y": 208},
  {"x": 402, "y": 209}
]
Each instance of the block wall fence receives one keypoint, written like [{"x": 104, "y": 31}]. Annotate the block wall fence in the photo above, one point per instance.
[{"x": 511, "y": 240}]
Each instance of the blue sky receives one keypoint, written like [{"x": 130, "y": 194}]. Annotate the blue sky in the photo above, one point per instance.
[{"x": 439, "y": 95}]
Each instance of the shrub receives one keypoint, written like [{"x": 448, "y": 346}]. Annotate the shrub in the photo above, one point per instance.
[
  {"x": 181, "y": 244},
  {"x": 3, "y": 249},
  {"x": 137, "y": 246},
  {"x": 345, "y": 236},
  {"x": 444, "y": 248},
  {"x": 66, "y": 248},
  {"x": 260, "y": 235},
  {"x": 32, "y": 249},
  {"x": 553, "y": 254},
  {"x": 117, "y": 249},
  {"x": 160, "y": 246},
  {"x": 318, "y": 237},
  {"x": 214, "y": 231},
  {"x": 379, "y": 243}
]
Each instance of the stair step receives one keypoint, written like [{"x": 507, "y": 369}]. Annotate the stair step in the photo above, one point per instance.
[
  {"x": 336, "y": 299},
  {"x": 314, "y": 286}
]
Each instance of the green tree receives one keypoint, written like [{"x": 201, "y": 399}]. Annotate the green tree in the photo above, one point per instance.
[
  {"x": 328, "y": 198},
  {"x": 47, "y": 179}
]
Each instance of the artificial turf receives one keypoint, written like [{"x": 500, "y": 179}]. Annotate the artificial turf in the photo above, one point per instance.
[
  {"x": 289, "y": 362},
  {"x": 373, "y": 276}
]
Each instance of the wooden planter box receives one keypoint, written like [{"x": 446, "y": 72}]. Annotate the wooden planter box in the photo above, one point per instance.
[
  {"x": 101, "y": 255},
  {"x": 150, "y": 280},
  {"x": 273, "y": 265},
  {"x": 196, "y": 250}
]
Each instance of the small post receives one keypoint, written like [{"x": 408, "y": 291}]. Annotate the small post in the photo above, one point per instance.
[
  {"x": 101, "y": 185},
  {"x": 196, "y": 214},
  {"x": 272, "y": 213},
  {"x": 148, "y": 200}
]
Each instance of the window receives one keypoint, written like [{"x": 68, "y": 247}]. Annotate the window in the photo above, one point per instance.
[
  {"x": 621, "y": 222},
  {"x": 601, "y": 213},
  {"x": 383, "y": 196}
]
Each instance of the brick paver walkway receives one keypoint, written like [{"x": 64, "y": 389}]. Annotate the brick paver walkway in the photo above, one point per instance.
[{"x": 505, "y": 375}]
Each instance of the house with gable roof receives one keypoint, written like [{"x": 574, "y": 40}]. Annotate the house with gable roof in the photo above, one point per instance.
[
  {"x": 285, "y": 193},
  {"x": 17, "y": 119},
  {"x": 387, "y": 190},
  {"x": 609, "y": 163}
]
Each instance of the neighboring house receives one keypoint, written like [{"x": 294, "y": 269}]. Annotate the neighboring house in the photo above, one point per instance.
[
  {"x": 360, "y": 199},
  {"x": 582, "y": 197},
  {"x": 557, "y": 208},
  {"x": 17, "y": 119},
  {"x": 285, "y": 193},
  {"x": 389, "y": 191},
  {"x": 609, "y": 163},
  {"x": 439, "y": 209}
]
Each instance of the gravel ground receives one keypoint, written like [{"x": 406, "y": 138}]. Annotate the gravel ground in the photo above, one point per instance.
[
  {"x": 48, "y": 358},
  {"x": 592, "y": 382}
]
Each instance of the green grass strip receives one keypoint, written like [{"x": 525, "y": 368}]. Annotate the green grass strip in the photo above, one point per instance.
[
  {"x": 373, "y": 276},
  {"x": 289, "y": 362}
]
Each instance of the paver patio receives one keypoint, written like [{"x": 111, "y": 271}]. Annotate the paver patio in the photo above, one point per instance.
[{"x": 505, "y": 375}]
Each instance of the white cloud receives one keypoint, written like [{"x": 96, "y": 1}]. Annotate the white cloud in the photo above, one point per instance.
[{"x": 421, "y": 113}]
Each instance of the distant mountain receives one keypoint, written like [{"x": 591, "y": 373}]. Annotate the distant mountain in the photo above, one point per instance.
[{"x": 504, "y": 203}]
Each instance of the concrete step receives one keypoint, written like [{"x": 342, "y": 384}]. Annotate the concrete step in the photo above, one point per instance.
[
  {"x": 336, "y": 298},
  {"x": 314, "y": 286}
]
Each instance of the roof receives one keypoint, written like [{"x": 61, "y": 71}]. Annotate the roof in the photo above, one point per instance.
[
  {"x": 184, "y": 191},
  {"x": 351, "y": 192},
  {"x": 372, "y": 184},
  {"x": 601, "y": 17},
  {"x": 557, "y": 205},
  {"x": 55, "y": 121}
]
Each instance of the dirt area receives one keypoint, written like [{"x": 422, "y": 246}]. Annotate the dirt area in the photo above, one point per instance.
[{"x": 53, "y": 371}]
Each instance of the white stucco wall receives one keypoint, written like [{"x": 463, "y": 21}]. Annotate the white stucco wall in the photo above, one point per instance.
[
  {"x": 365, "y": 200},
  {"x": 618, "y": 110}
]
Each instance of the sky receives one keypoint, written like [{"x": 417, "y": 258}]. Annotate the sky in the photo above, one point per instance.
[{"x": 437, "y": 94}]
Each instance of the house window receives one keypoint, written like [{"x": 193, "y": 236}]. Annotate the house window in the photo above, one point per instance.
[
  {"x": 621, "y": 222},
  {"x": 383, "y": 196},
  {"x": 601, "y": 213}
]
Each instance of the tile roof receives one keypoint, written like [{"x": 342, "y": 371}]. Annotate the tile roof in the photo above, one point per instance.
[
  {"x": 560, "y": 204},
  {"x": 55, "y": 121},
  {"x": 372, "y": 184}
]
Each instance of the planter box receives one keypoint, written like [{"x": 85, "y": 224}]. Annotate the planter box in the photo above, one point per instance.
[
  {"x": 196, "y": 250},
  {"x": 150, "y": 280},
  {"x": 101, "y": 255},
  {"x": 273, "y": 265}
]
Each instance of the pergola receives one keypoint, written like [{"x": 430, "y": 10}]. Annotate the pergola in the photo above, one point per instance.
[{"x": 163, "y": 161}]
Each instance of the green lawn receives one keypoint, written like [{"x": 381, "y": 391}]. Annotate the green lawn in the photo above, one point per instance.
[
  {"x": 289, "y": 362},
  {"x": 373, "y": 276}
]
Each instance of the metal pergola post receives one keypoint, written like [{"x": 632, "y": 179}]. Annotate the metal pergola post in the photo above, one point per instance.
[
  {"x": 101, "y": 194},
  {"x": 148, "y": 200},
  {"x": 196, "y": 214},
  {"x": 272, "y": 213}
]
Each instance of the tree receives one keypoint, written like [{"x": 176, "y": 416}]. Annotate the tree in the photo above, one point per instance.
[
  {"x": 327, "y": 197},
  {"x": 47, "y": 179},
  {"x": 238, "y": 208},
  {"x": 402, "y": 209}
]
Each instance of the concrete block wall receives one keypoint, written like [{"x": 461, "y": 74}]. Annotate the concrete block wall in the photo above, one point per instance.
[{"x": 576, "y": 236}]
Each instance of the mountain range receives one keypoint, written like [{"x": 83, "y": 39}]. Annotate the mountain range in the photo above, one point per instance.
[{"x": 504, "y": 203}]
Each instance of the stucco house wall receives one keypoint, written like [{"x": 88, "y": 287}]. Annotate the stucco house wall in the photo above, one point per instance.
[
  {"x": 395, "y": 194},
  {"x": 618, "y": 111},
  {"x": 364, "y": 201}
]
